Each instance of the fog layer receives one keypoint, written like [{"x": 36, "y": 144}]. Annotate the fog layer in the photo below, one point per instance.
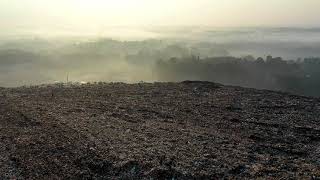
[{"x": 229, "y": 56}]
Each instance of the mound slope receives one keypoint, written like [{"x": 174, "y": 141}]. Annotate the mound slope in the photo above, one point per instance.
[{"x": 188, "y": 130}]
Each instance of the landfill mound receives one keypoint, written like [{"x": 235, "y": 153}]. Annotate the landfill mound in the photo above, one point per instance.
[{"x": 187, "y": 130}]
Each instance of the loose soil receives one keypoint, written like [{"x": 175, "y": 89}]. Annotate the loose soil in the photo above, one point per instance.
[{"x": 188, "y": 130}]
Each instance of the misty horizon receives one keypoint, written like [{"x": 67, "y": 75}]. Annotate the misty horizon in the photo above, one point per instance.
[{"x": 44, "y": 41}]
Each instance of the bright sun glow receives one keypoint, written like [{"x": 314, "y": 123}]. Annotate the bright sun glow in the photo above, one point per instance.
[
  {"x": 117, "y": 12},
  {"x": 108, "y": 5},
  {"x": 49, "y": 15}
]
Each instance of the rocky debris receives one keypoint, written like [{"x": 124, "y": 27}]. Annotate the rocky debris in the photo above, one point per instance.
[{"x": 188, "y": 130}]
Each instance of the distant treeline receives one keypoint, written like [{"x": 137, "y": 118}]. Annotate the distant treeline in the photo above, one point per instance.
[
  {"x": 299, "y": 77},
  {"x": 38, "y": 61}
]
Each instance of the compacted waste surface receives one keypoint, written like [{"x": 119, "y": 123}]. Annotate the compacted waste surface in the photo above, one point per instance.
[{"x": 187, "y": 130}]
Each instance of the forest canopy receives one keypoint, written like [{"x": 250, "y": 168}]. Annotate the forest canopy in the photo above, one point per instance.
[{"x": 40, "y": 61}]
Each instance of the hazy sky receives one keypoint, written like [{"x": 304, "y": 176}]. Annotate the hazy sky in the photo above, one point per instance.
[{"x": 96, "y": 14}]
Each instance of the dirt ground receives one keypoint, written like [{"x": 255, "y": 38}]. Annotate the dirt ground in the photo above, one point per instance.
[{"x": 188, "y": 130}]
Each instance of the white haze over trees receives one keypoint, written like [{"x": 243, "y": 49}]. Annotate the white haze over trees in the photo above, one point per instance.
[{"x": 45, "y": 41}]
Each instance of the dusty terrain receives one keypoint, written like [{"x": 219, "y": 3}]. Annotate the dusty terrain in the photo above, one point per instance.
[{"x": 189, "y": 130}]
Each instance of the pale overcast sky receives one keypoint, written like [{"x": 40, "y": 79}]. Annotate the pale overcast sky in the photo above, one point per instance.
[{"x": 59, "y": 14}]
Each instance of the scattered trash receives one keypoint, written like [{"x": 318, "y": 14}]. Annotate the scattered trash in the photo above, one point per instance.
[{"x": 188, "y": 130}]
